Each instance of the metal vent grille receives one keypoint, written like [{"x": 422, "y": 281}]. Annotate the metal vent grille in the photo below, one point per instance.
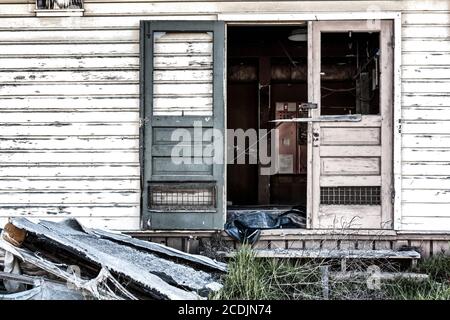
[
  {"x": 350, "y": 196},
  {"x": 182, "y": 196}
]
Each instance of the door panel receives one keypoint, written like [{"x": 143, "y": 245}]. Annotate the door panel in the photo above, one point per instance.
[
  {"x": 351, "y": 162},
  {"x": 182, "y": 103}
]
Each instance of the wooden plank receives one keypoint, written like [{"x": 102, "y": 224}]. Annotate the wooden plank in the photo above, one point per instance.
[
  {"x": 180, "y": 89},
  {"x": 339, "y": 181},
  {"x": 261, "y": 244},
  {"x": 277, "y": 244},
  {"x": 312, "y": 244},
  {"x": 359, "y": 166},
  {"x": 295, "y": 244},
  {"x": 163, "y": 166},
  {"x": 63, "y": 184},
  {"x": 70, "y": 48},
  {"x": 350, "y": 151},
  {"x": 58, "y": 63},
  {"x": 75, "y": 103},
  {"x": 349, "y": 217},
  {"x": 441, "y": 247},
  {"x": 426, "y": 140},
  {"x": 425, "y": 45},
  {"x": 49, "y": 157},
  {"x": 183, "y": 75},
  {"x": 175, "y": 103},
  {"x": 426, "y": 113},
  {"x": 430, "y": 31},
  {"x": 176, "y": 243},
  {"x": 160, "y": 240},
  {"x": 426, "y": 182},
  {"x": 202, "y": 7},
  {"x": 116, "y": 223},
  {"x": 426, "y": 127},
  {"x": 418, "y": 86},
  {"x": 426, "y": 196},
  {"x": 68, "y": 117},
  {"x": 367, "y": 121},
  {"x": 430, "y": 209},
  {"x": 348, "y": 245},
  {"x": 38, "y": 77},
  {"x": 383, "y": 245},
  {"x": 425, "y": 18},
  {"x": 89, "y": 22},
  {"x": 426, "y": 168},
  {"x": 79, "y": 89},
  {"x": 425, "y": 58},
  {"x": 68, "y": 34},
  {"x": 350, "y": 136},
  {"x": 365, "y": 244},
  {"x": 426, "y": 72},
  {"x": 436, "y": 224},
  {"x": 59, "y": 197},
  {"x": 73, "y": 210},
  {"x": 183, "y": 62},
  {"x": 349, "y": 254},
  {"x": 424, "y": 247},
  {"x": 69, "y": 143},
  {"x": 183, "y": 47},
  {"x": 425, "y": 100},
  {"x": 69, "y": 129},
  {"x": 426, "y": 154},
  {"x": 330, "y": 244},
  {"x": 74, "y": 170}
]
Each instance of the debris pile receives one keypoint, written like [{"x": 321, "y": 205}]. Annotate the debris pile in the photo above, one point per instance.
[{"x": 96, "y": 264}]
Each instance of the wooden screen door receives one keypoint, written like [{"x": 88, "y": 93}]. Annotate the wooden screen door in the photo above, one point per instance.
[{"x": 350, "y": 163}]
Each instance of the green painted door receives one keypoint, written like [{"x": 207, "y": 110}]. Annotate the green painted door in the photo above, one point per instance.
[{"x": 182, "y": 124}]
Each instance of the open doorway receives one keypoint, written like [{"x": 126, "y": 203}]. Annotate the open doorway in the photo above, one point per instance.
[{"x": 267, "y": 80}]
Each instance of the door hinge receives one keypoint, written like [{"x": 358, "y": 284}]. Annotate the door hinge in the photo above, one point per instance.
[
  {"x": 143, "y": 121},
  {"x": 393, "y": 196},
  {"x": 392, "y": 42}
]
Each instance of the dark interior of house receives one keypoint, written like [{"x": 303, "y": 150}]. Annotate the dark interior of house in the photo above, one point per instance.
[{"x": 268, "y": 79}]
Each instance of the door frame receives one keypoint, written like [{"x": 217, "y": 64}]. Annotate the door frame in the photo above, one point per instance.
[{"x": 249, "y": 19}]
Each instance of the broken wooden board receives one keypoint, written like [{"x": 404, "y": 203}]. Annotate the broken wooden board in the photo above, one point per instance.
[
  {"x": 335, "y": 254},
  {"x": 162, "y": 278}
]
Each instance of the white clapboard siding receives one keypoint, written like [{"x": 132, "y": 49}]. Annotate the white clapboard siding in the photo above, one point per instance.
[
  {"x": 70, "y": 35},
  {"x": 69, "y": 102},
  {"x": 70, "y": 129},
  {"x": 58, "y": 63},
  {"x": 67, "y": 184},
  {"x": 81, "y": 143},
  {"x": 70, "y": 170},
  {"x": 426, "y": 141},
  {"x": 426, "y": 182},
  {"x": 57, "y": 156},
  {"x": 48, "y": 77},
  {"x": 100, "y": 222},
  {"x": 69, "y": 48},
  {"x": 93, "y": 116},
  {"x": 62, "y": 89},
  {"x": 77, "y": 210},
  {"x": 75, "y": 102}
]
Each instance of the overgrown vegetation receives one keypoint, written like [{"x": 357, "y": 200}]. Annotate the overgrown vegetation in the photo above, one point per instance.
[{"x": 251, "y": 278}]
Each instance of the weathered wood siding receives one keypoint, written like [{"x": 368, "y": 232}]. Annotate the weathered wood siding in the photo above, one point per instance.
[{"x": 69, "y": 105}]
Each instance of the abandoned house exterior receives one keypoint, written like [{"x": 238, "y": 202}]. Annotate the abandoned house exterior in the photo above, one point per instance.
[{"x": 92, "y": 93}]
